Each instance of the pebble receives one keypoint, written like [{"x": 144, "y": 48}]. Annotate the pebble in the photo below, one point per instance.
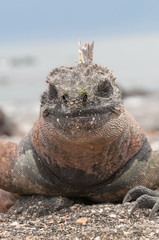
[
  {"x": 14, "y": 223},
  {"x": 81, "y": 221},
  {"x": 97, "y": 238}
]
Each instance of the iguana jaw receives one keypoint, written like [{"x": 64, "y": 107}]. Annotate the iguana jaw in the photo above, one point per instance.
[{"x": 80, "y": 125}]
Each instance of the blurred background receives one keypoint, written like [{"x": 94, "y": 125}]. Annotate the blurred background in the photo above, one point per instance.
[{"x": 36, "y": 36}]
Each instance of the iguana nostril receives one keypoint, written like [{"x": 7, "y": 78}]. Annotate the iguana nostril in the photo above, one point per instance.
[
  {"x": 65, "y": 98},
  {"x": 84, "y": 99}
]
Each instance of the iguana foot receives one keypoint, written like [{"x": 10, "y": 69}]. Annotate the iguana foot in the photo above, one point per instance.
[{"x": 144, "y": 198}]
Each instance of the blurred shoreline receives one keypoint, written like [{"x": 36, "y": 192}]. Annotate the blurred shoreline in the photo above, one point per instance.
[{"x": 23, "y": 68}]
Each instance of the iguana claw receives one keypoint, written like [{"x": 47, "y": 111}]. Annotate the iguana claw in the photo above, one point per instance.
[
  {"x": 135, "y": 206},
  {"x": 144, "y": 198},
  {"x": 127, "y": 198},
  {"x": 154, "y": 209}
]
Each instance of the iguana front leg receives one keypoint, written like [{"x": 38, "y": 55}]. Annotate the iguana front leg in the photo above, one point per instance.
[
  {"x": 7, "y": 154},
  {"x": 19, "y": 174},
  {"x": 145, "y": 197}
]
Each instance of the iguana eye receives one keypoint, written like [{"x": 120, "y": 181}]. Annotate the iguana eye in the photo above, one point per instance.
[
  {"x": 105, "y": 89},
  {"x": 46, "y": 112},
  {"x": 52, "y": 91}
]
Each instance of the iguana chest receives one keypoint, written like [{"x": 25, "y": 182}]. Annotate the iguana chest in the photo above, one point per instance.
[{"x": 82, "y": 164}]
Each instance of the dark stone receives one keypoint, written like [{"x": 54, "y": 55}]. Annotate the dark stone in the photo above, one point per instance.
[{"x": 6, "y": 125}]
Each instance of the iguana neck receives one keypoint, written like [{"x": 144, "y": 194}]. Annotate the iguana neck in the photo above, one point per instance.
[{"x": 121, "y": 141}]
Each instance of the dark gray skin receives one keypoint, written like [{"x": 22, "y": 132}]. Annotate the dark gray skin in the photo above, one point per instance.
[
  {"x": 84, "y": 143},
  {"x": 144, "y": 198}
]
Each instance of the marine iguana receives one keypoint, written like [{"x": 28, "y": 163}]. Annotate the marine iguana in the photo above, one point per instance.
[{"x": 84, "y": 143}]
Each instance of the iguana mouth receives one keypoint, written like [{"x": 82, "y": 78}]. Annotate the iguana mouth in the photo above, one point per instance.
[
  {"x": 88, "y": 113},
  {"x": 83, "y": 124},
  {"x": 80, "y": 125}
]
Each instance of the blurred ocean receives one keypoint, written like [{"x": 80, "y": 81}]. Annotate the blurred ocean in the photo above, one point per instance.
[{"x": 23, "y": 68}]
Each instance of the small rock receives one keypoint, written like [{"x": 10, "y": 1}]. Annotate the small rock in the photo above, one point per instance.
[
  {"x": 112, "y": 215},
  {"x": 14, "y": 224},
  {"x": 81, "y": 221},
  {"x": 6, "y": 125},
  {"x": 98, "y": 238},
  {"x": 19, "y": 210}
]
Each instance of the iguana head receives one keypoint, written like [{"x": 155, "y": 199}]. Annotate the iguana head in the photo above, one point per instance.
[{"x": 81, "y": 100}]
